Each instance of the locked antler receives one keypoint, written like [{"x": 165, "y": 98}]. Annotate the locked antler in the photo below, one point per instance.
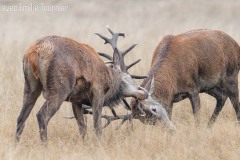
[{"x": 109, "y": 118}]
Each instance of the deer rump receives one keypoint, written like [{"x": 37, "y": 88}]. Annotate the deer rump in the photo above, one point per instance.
[{"x": 194, "y": 62}]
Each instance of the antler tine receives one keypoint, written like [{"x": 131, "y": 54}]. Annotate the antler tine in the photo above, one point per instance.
[
  {"x": 128, "y": 50},
  {"x": 110, "y": 30},
  {"x": 112, "y": 118},
  {"x": 107, "y": 40},
  {"x": 86, "y": 111},
  {"x": 108, "y": 62},
  {"x": 113, "y": 111},
  {"x": 141, "y": 110},
  {"x": 132, "y": 64},
  {"x": 105, "y": 56},
  {"x": 113, "y": 40},
  {"x": 109, "y": 120},
  {"x": 124, "y": 68},
  {"x": 138, "y": 77},
  {"x": 126, "y": 104},
  {"x": 123, "y": 121},
  {"x": 119, "y": 34}
]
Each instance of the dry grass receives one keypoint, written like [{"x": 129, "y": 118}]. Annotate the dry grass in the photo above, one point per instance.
[{"x": 144, "y": 22}]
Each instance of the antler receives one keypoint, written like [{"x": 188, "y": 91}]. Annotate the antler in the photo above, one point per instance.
[
  {"x": 124, "y": 118},
  {"x": 110, "y": 118},
  {"x": 118, "y": 56}
]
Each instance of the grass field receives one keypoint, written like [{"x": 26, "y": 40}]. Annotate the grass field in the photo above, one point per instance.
[{"x": 145, "y": 23}]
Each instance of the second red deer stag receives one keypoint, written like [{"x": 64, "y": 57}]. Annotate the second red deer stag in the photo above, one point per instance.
[
  {"x": 66, "y": 70},
  {"x": 191, "y": 63}
]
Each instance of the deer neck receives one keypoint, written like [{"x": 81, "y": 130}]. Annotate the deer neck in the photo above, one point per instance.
[
  {"x": 164, "y": 85},
  {"x": 115, "y": 92}
]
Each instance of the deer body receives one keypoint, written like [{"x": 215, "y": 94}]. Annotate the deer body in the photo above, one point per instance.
[
  {"x": 65, "y": 70},
  {"x": 193, "y": 62}
]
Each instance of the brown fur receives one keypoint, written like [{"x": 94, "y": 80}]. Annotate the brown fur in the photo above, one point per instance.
[{"x": 196, "y": 61}]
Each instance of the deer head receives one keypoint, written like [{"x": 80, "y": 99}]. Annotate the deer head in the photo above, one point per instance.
[{"x": 151, "y": 111}]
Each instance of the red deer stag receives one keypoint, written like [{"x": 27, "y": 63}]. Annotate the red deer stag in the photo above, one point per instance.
[
  {"x": 65, "y": 70},
  {"x": 191, "y": 63}
]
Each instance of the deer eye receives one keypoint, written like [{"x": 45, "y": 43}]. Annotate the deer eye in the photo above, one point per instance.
[{"x": 154, "y": 109}]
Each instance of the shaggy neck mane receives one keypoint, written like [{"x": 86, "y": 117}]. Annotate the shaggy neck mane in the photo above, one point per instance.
[
  {"x": 158, "y": 57},
  {"x": 115, "y": 92}
]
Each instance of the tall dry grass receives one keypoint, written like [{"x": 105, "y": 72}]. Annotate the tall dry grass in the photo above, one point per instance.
[{"x": 145, "y": 23}]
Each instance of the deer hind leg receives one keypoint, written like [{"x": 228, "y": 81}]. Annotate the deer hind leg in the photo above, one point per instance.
[
  {"x": 32, "y": 90},
  {"x": 78, "y": 112},
  {"x": 231, "y": 86},
  {"x": 97, "y": 110},
  {"x": 221, "y": 98},
  {"x": 195, "y": 102},
  {"x": 50, "y": 107}
]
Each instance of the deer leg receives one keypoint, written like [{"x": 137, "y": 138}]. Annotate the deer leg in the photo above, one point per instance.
[
  {"x": 49, "y": 108},
  {"x": 235, "y": 102},
  {"x": 195, "y": 102},
  {"x": 78, "y": 112},
  {"x": 231, "y": 86},
  {"x": 31, "y": 93},
  {"x": 97, "y": 104},
  {"x": 221, "y": 98}
]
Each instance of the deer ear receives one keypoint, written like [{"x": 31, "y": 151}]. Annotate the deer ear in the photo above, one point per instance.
[
  {"x": 148, "y": 85},
  {"x": 116, "y": 58},
  {"x": 151, "y": 86}
]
